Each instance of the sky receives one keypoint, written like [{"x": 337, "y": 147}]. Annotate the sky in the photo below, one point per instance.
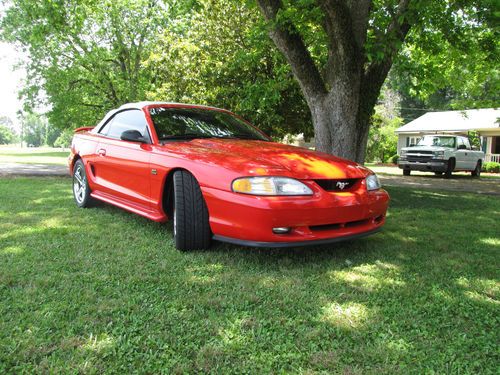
[{"x": 11, "y": 81}]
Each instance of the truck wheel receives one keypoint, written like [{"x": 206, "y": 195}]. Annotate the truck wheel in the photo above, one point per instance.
[
  {"x": 451, "y": 167},
  {"x": 477, "y": 172},
  {"x": 438, "y": 173},
  {"x": 406, "y": 172},
  {"x": 190, "y": 214},
  {"x": 81, "y": 189}
]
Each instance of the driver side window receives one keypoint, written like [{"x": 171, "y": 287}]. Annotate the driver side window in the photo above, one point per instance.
[{"x": 127, "y": 120}]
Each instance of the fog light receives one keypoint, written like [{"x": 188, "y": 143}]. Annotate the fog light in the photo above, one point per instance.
[{"x": 281, "y": 230}]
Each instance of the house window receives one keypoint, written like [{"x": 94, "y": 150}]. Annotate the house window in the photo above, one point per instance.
[{"x": 412, "y": 141}]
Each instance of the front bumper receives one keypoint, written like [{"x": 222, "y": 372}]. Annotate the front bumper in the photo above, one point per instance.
[
  {"x": 433, "y": 165},
  {"x": 322, "y": 218}
]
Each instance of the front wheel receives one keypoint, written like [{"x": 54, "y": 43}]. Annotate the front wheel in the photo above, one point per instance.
[
  {"x": 406, "y": 172},
  {"x": 190, "y": 214},
  {"x": 81, "y": 189},
  {"x": 450, "y": 168},
  {"x": 477, "y": 171}
]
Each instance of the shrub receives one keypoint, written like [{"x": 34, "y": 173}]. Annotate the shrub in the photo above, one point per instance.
[
  {"x": 395, "y": 159},
  {"x": 491, "y": 167}
]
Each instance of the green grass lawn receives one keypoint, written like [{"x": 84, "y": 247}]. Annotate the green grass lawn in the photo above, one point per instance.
[
  {"x": 102, "y": 290},
  {"x": 34, "y": 155}
]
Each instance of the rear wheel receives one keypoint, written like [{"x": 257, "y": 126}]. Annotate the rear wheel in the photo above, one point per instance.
[
  {"x": 450, "y": 168},
  {"x": 406, "y": 172},
  {"x": 81, "y": 189},
  {"x": 190, "y": 214},
  {"x": 477, "y": 172}
]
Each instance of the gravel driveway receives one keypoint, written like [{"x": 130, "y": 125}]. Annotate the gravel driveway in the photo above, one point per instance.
[{"x": 17, "y": 169}]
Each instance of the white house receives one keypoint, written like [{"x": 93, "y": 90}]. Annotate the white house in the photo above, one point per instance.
[{"x": 485, "y": 121}]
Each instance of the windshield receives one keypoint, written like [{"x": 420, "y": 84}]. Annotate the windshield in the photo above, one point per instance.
[
  {"x": 192, "y": 123},
  {"x": 433, "y": 140}
]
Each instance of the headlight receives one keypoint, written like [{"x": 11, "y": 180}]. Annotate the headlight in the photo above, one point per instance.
[
  {"x": 372, "y": 182},
  {"x": 439, "y": 154},
  {"x": 270, "y": 186},
  {"x": 403, "y": 153}
]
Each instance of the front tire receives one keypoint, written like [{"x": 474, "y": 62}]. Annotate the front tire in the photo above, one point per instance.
[
  {"x": 406, "y": 172},
  {"x": 190, "y": 214},
  {"x": 477, "y": 172},
  {"x": 81, "y": 189},
  {"x": 450, "y": 168}
]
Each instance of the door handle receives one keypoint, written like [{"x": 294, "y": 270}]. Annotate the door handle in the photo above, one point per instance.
[
  {"x": 465, "y": 154},
  {"x": 101, "y": 152}
]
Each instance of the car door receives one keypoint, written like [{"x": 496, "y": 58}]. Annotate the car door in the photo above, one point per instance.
[
  {"x": 470, "y": 155},
  {"x": 122, "y": 168},
  {"x": 461, "y": 156}
]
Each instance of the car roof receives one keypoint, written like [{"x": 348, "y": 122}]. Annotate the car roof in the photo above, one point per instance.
[{"x": 141, "y": 105}]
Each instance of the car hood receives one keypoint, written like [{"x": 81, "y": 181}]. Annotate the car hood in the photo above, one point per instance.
[
  {"x": 424, "y": 148},
  {"x": 249, "y": 157}
]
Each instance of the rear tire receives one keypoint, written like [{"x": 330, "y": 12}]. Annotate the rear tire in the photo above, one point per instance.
[
  {"x": 406, "y": 172},
  {"x": 450, "y": 168},
  {"x": 190, "y": 214},
  {"x": 477, "y": 172},
  {"x": 81, "y": 189}
]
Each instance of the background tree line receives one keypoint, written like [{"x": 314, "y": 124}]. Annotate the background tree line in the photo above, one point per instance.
[{"x": 90, "y": 56}]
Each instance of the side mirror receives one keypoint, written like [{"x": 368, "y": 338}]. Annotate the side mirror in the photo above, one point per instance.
[
  {"x": 462, "y": 147},
  {"x": 132, "y": 136}
]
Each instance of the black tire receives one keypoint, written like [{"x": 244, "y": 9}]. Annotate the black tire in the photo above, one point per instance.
[
  {"x": 190, "y": 214},
  {"x": 438, "y": 173},
  {"x": 450, "y": 168},
  {"x": 406, "y": 172},
  {"x": 81, "y": 189},
  {"x": 477, "y": 172}
]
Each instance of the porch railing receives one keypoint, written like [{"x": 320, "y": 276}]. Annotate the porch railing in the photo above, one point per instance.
[{"x": 492, "y": 157}]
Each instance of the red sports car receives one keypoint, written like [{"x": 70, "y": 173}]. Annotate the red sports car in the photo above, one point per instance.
[{"x": 218, "y": 177}]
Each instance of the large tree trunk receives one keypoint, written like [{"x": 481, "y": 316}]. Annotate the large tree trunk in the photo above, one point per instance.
[
  {"x": 341, "y": 99},
  {"x": 340, "y": 126}
]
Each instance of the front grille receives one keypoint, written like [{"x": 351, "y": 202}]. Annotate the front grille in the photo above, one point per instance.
[
  {"x": 419, "y": 158},
  {"x": 345, "y": 184}
]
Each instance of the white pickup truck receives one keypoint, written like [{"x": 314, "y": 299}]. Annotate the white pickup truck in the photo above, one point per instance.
[{"x": 441, "y": 154}]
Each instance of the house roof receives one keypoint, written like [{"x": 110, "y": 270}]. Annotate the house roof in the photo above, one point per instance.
[{"x": 454, "y": 121}]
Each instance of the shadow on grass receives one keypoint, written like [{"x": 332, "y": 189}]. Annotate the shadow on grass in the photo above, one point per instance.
[{"x": 104, "y": 290}]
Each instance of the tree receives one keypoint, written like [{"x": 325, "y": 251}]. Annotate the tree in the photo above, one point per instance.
[
  {"x": 220, "y": 55},
  {"x": 382, "y": 139},
  {"x": 7, "y": 136},
  {"x": 34, "y": 129},
  {"x": 86, "y": 55},
  {"x": 361, "y": 40}
]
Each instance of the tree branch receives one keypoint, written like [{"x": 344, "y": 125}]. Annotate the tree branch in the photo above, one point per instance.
[
  {"x": 289, "y": 42},
  {"x": 377, "y": 71}
]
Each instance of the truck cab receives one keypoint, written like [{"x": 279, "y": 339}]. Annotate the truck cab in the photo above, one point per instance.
[{"x": 441, "y": 154}]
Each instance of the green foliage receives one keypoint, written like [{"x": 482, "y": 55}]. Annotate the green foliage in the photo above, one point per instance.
[
  {"x": 382, "y": 139},
  {"x": 7, "y": 136},
  {"x": 450, "y": 58},
  {"x": 86, "y": 55},
  {"x": 491, "y": 167},
  {"x": 64, "y": 139},
  {"x": 394, "y": 159},
  {"x": 221, "y": 55},
  {"x": 104, "y": 290}
]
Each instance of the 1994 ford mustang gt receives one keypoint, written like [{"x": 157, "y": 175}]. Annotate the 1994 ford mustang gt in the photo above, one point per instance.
[{"x": 218, "y": 177}]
